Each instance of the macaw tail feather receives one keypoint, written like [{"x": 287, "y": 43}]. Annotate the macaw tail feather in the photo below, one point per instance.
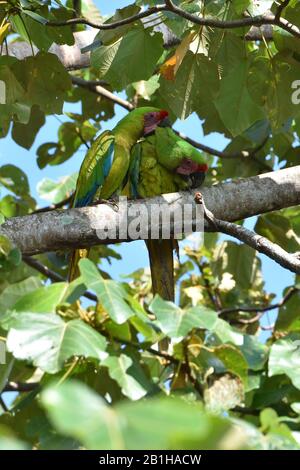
[
  {"x": 76, "y": 256},
  {"x": 162, "y": 267}
]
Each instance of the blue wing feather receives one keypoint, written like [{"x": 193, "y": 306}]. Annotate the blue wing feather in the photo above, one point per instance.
[
  {"x": 93, "y": 180},
  {"x": 134, "y": 170}
]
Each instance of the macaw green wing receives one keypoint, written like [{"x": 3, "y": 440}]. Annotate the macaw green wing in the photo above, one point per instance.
[
  {"x": 148, "y": 177},
  {"x": 94, "y": 169},
  {"x": 134, "y": 171}
]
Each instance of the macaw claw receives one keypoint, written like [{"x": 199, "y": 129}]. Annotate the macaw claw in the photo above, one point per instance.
[{"x": 110, "y": 202}]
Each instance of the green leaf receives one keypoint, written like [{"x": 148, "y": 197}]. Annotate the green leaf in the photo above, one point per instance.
[
  {"x": 13, "y": 88},
  {"x": 146, "y": 88},
  {"x": 15, "y": 291},
  {"x": 237, "y": 109},
  {"x": 184, "y": 95},
  {"x": 90, "y": 11},
  {"x": 162, "y": 423},
  {"x": 111, "y": 294},
  {"x": 48, "y": 341},
  {"x": 293, "y": 214},
  {"x": 24, "y": 134},
  {"x": 270, "y": 84},
  {"x": 176, "y": 322},
  {"x": 35, "y": 16},
  {"x": 58, "y": 34},
  {"x": 233, "y": 360},
  {"x": 227, "y": 49},
  {"x": 14, "y": 179},
  {"x": 238, "y": 260},
  {"x": 46, "y": 81},
  {"x": 32, "y": 29},
  {"x": 57, "y": 191},
  {"x": 12, "y": 206},
  {"x": 277, "y": 229},
  {"x": 47, "y": 298},
  {"x": 9, "y": 257},
  {"x": 285, "y": 358},
  {"x": 118, "y": 370},
  {"x": 70, "y": 135},
  {"x": 111, "y": 35},
  {"x": 9, "y": 442},
  {"x": 255, "y": 352},
  {"x": 130, "y": 59},
  {"x": 288, "y": 317}
]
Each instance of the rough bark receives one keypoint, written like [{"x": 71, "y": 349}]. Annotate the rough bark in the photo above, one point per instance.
[{"x": 232, "y": 201}]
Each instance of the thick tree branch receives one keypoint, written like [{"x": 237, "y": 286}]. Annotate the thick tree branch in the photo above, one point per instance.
[{"x": 73, "y": 228}]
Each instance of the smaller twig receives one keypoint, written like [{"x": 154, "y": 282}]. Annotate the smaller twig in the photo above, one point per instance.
[
  {"x": 113, "y": 25},
  {"x": 53, "y": 207},
  {"x": 261, "y": 244},
  {"x": 20, "y": 386},
  {"x": 68, "y": 371},
  {"x": 214, "y": 298},
  {"x": 245, "y": 411},
  {"x": 161, "y": 354},
  {"x": 267, "y": 328},
  {"x": 260, "y": 310},
  {"x": 282, "y": 5},
  {"x": 43, "y": 269},
  {"x": 3, "y": 405},
  {"x": 222, "y": 153},
  {"x": 78, "y": 132},
  {"x": 189, "y": 372},
  {"x": 140, "y": 346},
  {"x": 258, "y": 21},
  {"x": 55, "y": 277},
  {"x": 100, "y": 90}
]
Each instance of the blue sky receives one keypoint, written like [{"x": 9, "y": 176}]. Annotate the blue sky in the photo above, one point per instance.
[{"x": 134, "y": 254}]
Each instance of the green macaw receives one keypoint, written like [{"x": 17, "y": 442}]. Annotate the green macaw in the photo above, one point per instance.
[
  {"x": 105, "y": 166},
  {"x": 164, "y": 163}
]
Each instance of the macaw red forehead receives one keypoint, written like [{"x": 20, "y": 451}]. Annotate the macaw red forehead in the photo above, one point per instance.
[
  {"x": 163, "y": 114},
  {"x": 189, "y": 167}
]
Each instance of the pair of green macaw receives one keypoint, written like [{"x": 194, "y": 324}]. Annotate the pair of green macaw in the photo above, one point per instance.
[{"x": 140, "y": 159}]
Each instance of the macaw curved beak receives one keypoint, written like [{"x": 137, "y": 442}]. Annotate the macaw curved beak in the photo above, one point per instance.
[
  {"x": 165, "y": 122},
  {"x": 197, "y": 179},
  {"x": 192, "y": 172}
]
